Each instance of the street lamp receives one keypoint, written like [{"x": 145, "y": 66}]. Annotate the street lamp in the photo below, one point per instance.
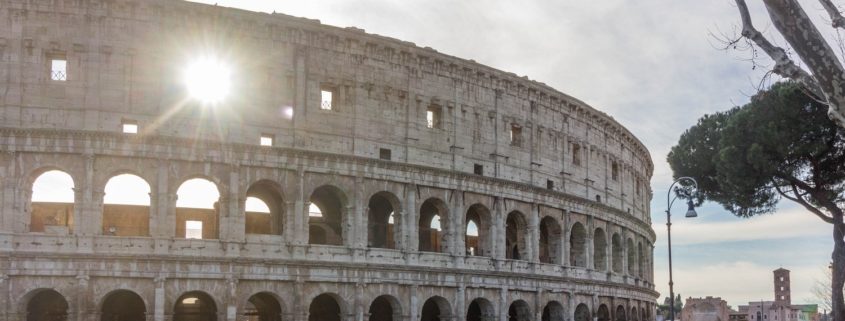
[{"x": 690, "y": 213}]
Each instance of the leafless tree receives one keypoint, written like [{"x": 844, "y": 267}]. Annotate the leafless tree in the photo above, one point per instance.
[{"x": 823, "y": 79}]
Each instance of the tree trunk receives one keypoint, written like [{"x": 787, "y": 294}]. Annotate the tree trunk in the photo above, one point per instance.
[
  {"x": 838, "y": 269},
  {"x": 794, "y": 25}
]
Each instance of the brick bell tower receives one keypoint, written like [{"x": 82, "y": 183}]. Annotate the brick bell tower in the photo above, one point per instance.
[{"x": 782, "y": 295}]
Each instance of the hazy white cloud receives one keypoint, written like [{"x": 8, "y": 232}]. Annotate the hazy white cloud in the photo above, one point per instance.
[{"x": 785, "y": 224}]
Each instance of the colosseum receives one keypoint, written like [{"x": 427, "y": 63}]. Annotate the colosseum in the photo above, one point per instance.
[{"x": 388, "y": 181}]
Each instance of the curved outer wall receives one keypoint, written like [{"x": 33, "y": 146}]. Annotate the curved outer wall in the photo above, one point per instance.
[{"x": 125, "y": 60}]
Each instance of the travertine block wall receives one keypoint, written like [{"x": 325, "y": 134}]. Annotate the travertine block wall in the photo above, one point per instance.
[{"x": 574, "y": 180}]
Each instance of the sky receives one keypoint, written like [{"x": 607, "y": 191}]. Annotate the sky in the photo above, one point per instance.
[{"x": 656, "y": 66}]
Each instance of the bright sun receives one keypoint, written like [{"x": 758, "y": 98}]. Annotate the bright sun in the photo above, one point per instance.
[{"x": 208, "y": 79}]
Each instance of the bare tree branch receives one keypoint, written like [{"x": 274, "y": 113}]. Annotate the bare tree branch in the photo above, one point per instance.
[
  {"x": 836, "y": 18},
  {"x": 784, "y": 66},
  {"x": 796, "y": 197}
]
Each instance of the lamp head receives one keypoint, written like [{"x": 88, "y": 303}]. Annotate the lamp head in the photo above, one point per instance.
[{"x": 691, "y": 209}]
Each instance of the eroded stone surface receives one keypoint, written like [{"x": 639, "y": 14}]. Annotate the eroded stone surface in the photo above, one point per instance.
[{"x": 567, "y": 167}]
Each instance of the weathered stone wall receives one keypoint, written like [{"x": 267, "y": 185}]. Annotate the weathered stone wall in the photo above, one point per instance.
[{"x": 125, "y": 60}]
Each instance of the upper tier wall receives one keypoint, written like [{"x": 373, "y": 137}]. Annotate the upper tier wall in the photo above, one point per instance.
[{"x": 126, "y": 59}]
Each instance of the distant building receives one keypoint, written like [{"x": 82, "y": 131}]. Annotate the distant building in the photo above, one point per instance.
[
  {"x": 781, "y": 309},
  {"x": 705, "y": 309}
]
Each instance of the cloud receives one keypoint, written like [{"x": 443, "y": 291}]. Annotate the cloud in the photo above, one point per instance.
[{"x": 785, "y": 224}]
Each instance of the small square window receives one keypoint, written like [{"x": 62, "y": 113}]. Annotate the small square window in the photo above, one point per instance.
[
  {"x": 433, "y": 116},
  {"x": 550, "y": 184},
  {"x": 328, "y": 96},
  {"x": 193, "y": 230},
  {"x": 58, "y": 69},
  {"x": 478, "y": 169},
  {"x": 384, "y": 153},
  {"x": 129, "y": 127},
  {"x": 266, "y": 140},
  {"x": 598, "y": 198}
]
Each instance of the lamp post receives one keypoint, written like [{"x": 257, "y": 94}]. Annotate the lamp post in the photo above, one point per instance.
[{"x": 690, "y": 213}]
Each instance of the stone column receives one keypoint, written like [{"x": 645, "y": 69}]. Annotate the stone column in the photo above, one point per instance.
[
  {"x": 297, "y": 221},
  {"x": 457, "y": 222},
  {"x": 10, "y": 201},
  {"x": 498, "y": 229},
  {"x": 301, "y": 92},
  {"x": 5, "y": 294},
  {"x": 533, "y": 245},
  {"x": 358, "y": 219},
  {"x": 503, "y": 304},
  {"x": 414, "y": 303},
  {"x": 232, "y": 300},
  {"x": 158, "y": 303},
  {"x": 589, "y": 247},
  {"x": 565, "y": 245},
  {"x": 232, "y": 213},
  {"x": 360, "y": 306},
  {"x": 460, "y": 303},
  {"x": 411, "y": 220},
  {"x": 163, "y": 217}
]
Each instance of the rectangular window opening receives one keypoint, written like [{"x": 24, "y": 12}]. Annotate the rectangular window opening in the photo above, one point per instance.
[
  {"x": 129, "y": 127},
  {"x": 327, "y": 98},
  {"x": 614, "y": 171},
  {"x": 58, "y": 69},
  {"x": 478, "y": 169},
  {"x": 384, "y": 153},
  {"x": 432, "y": 116},
  {"x": 576, "y": 154},
  {"x": 266, "y": 140},
  {"x": 550, "y": 184},
  {"x": 516, "y": 135},
  {"x": 193, "y": 230}
]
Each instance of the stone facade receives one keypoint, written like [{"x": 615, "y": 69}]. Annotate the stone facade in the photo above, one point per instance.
[
  {"x": 559, "y": 191},
  {"x": 705, "y": 309}
]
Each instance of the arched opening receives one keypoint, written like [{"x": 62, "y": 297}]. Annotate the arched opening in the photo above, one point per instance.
[
  {"x": 264, "y": 209},
  {"x": 262, "y": 307},
  {"x": 599, "y": 250},
  {"x": 123, "y": 305},
  {"x": 616, "y": 243},
  {"x": 577, "y": 243},
  {"x": 435, "y": 309},
  {"x": 553, "y": 311},
  {"x": 47, "y": 305},
  {"x": 52, "y": 203},
  {"x": 640, "y": 260},
  {"x": 433, "y": 220},
  {"x": 632, "y": 258},
  {"x": 126, "y": 206},
  {"x": 643, "y": 315},
  {"x": 477, "y": 231},
  {"x": 385, "y": 308},
  {"x": 550, "y": 240},
  {"x": 634, "y": 315},
  {"x": 197, "y": 209},
  {"x": 582, "y": 313},
  {"x": 382, "y": 221},
  {"x": 620, "y": 312},
  {"x": 519, "y": 311},
  {"x": 515, "y": 228},
  {"x": 480, "y": 309},
  {"x": 195, "y": 306},
  {"x": 330, "y": 203},
  {"x": 603, "y": 314},
  {"x": 324, "y": 308}
]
